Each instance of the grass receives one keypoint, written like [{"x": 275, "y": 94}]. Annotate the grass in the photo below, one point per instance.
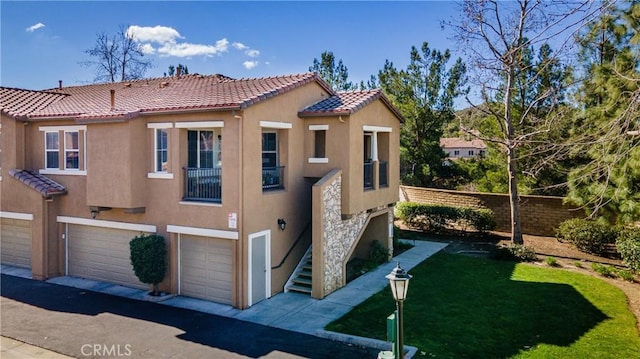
[{"x": 461, "y": 306}]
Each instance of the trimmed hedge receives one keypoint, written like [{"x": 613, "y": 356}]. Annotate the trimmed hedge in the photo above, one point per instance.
[
  {"x": 587, "y": 235},
  {"x": 628, "y": 244},
  {"x": 437, "y": 218},
  {"x": 148, "y": 257}
]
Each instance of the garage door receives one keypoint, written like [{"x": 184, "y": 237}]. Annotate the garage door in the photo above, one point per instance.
[
  {"x": 15, "y": 242},
  {"x": 205, "y": 268},
  {"x": 101, "y": 254}
]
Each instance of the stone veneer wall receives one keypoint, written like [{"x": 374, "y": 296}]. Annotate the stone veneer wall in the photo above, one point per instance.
[
  {"x": 338, "y": 235},
  {"x": 539, "y": 215}
]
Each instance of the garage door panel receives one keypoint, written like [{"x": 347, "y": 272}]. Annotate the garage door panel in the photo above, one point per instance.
[
  {"x": 15, "y": 242},
  {"x": 102, "y": 254},
  {"x": 206, "y": 268}
]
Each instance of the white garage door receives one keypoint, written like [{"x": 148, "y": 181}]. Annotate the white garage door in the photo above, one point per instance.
[
  {"x": 101, "y": 254},
  {"x": 15, "y": 242},
  {"x": 205, "y": 268}
]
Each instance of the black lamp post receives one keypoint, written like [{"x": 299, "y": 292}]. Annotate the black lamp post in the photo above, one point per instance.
[{"x": 399, "y": 282}]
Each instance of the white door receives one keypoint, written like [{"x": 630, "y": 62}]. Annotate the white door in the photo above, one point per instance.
[
  {"x": 101, "y": 254},
  {"x": 259, "y": 266},
  {"x": 205, "y": 268},
  {"x": 15, "y": 242}
]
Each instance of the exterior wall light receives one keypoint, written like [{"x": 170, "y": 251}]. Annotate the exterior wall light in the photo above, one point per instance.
[
  {"x": 94, "y": 212},
  {"x": 282, "y": 224}
]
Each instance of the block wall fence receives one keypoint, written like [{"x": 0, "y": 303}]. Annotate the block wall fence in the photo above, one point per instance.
[{"x": 539, "y": 215}]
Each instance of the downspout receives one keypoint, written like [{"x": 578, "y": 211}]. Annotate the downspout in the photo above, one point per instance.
[{"x": 240, "y": 282}]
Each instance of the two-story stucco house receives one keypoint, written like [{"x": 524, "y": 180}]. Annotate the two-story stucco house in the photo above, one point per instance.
[
  {"x": 461, "y": 148},
  {"x": 258, "y": 185}
]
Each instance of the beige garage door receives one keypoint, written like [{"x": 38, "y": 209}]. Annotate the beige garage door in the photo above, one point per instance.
[
  {"x": 101, "y": 254},
  {"x": 205, "y": 268},
  {"x": 15, "y": 242}
]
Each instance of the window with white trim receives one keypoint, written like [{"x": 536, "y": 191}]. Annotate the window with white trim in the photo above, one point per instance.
[
  {"x": 470, "y": 152},
  {"x": 161, "y": 150},
  {"x": 64, "y": 150},
  {"x": 52, "y": 150},
  {"x": 269, "y": 149},
  {"x": 71, "y": 150},
  {"x": 204, "y": 148},
  {"x": 319, "y": 154}
]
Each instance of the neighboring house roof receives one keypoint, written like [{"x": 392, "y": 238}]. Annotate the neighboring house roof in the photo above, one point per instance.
[
  {"x": 19, "y": 102},
  {"x": 167, "y": 94},
  {"x": 449, "y": 143},
  {"x": 346, "y": 103},
  {"x": 40, "y": 183}
]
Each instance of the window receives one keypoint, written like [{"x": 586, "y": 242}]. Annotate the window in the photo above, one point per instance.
[
  {"x": 481, "y": 153},
  {"x": 161, "y": 149},
  {"x": 65, "y": 150},
  {"x": 367, "y": 150},
  {"x": 52, "y": 151},
  {"x": 71, "y": 150},
  {"x": 470, "y": 152},
  {"x": 456, "y": 153},
  {"x": 269, "y": 149},
  {"x": 320, "y": 144},
  {"x": 204, "y": 148}
]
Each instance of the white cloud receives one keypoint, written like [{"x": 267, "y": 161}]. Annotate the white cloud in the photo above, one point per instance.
[
  {"x": 35, "y": 27},
  {"x": 188, "y": 50},
  {"x": 147, "y": 49},
  {"x": 158, "y": 34},
  {"x": 239, "y": 46},
  {"x": 252, "y": 53},
  {"x": 250, "y": 64}
]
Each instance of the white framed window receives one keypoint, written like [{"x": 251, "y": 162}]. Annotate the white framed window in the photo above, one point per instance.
[
  {"x": 71, "y": 150},
  {"x": 456, "y": 153},
  {"x": 269, "y": 149},
  {"x": 204, "y": 148},
  {"x": 52, "y": 150},
  {"x": 319, "y": 143},
  {"x": 161, "y": 150},
  {"x": 65, "y": 150},
  {"x": 470, "y": 152}
]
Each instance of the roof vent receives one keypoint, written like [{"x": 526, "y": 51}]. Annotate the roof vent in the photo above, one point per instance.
[
  {"x": 113, "y": 100},
  {"x": 59, "y": 84},
  {"x": 164, "y": 84}
]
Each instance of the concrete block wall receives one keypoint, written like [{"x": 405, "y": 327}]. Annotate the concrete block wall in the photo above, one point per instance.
[{"x": 539, "y": 215}]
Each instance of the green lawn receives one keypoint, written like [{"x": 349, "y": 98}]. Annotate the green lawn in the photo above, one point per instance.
[{"x": 463, "y": 307}]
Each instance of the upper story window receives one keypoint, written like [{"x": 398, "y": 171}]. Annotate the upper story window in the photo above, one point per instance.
[
  {"x": 64, "y": 150},
  {"x": 273, "y": 174},
  {"x": 204, "y": 148},
  {"x": 269, "y": 149},
  {"x": 161, "y": 168},
  {"x": 319, "y": 143}
]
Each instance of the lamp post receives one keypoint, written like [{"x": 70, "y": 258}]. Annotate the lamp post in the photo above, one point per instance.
[{"x": 399, "y": 282}]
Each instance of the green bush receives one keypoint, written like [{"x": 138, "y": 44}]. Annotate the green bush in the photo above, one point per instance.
[
  {"x": 552, "y": 262},
  {"x": 515, "y": 252},
  {"x": 148, "y": 257},
  {"x": 587, "y": 235},
  {"x": 603, "y": 270},
  {"x": 437, "y": 218},
  {"x": 625, "y": 274},
  {"x": 628, "y": 244}
]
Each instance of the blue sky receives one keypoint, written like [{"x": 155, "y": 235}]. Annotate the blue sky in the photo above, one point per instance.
[{"x": 43, "y": 42}]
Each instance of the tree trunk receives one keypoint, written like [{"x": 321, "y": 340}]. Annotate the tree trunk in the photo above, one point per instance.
[{"x": 516, "y": 228}]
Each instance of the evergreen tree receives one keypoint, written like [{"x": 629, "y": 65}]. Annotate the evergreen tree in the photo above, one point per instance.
[{"x": 336, "y": 75}]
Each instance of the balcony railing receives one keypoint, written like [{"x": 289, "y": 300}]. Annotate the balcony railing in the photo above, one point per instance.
[
  {"x": 203, "y": 184},
  {"x": 383, "y": 174},
  {"x": 272, "y": 178},
  {"x": 368, "y": 175}
]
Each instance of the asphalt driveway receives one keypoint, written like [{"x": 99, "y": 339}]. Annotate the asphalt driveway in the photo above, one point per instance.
[{"x": 86, "y": 324}]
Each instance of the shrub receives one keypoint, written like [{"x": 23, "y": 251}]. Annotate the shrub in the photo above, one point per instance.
[
  {"x": 148, "y": 257},
  {"x": 587, "y": 235},
  {"x": 515, "y": 252},
  {"x": 628, "y": 244},
  {"x": 437, "y": 218},
  {"x": 552, "y": 262},
  {"x": 603, "y": 270},
  {"x": 377, "y": 253},
  {"x": 625, "y": 274},
  {"x": 577, "y": 264}
]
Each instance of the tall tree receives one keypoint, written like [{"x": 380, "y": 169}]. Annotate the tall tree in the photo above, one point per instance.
[
  {"x": 424, "y": 94},
  {"x": 498, "y": 37},
  {"x": 335, "y": 74},
  {"x": 608, "y": 184},
  {"x": 116, "y": 57}
]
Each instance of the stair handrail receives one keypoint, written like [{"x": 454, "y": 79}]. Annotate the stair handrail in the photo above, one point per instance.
[{"x": 306, "y": 227}]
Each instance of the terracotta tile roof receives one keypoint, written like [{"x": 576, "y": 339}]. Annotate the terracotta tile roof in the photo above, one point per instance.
[
  {"x": 455, "y": 142},
  {"x": 19, "y": 102},
  {"x": 189, "y": 92},
  {"x": 346, "y": 103},
  {"x": 42, "y": 184}
]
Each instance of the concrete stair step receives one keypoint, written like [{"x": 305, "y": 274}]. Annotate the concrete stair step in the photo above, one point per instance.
[{"x": 300, "y": 289}]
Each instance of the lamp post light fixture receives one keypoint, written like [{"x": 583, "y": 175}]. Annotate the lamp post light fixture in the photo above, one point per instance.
[
  {"x": 399, "y": 282},
  {"x": 282, "y": 224}
]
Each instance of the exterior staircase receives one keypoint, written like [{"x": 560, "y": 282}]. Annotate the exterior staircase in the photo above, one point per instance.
[{"x": 300, "y": 280}]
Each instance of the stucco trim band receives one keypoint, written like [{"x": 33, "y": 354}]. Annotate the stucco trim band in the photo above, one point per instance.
[
  {"x": 278, "y": 125},
  {"x": 107, "y": 224},
  {"x": 17, "y": 215},
  {"x": 203, "y": 232},
  {"x": 203, "y": 124},
  {"x": 376, "y": 128}
]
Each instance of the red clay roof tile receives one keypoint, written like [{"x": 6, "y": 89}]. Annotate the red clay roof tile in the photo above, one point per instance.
[
  {"x": 19, "y": 102},
  {"x": 346, "y": 103}
]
